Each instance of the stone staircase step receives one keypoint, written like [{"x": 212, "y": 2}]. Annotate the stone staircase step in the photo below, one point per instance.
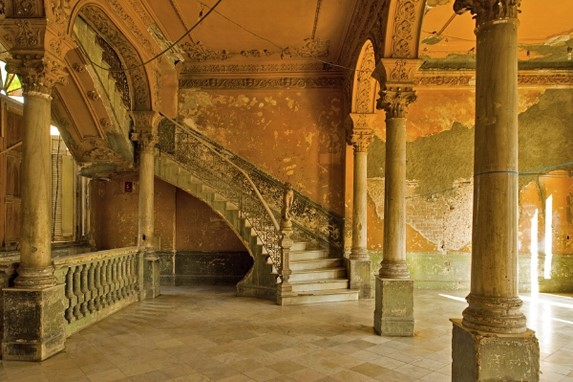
[
  {"x": 323, "y": 296},
  {"x": 298, "y": 246},
  {"x": 308, "y": 286},
  {"x": 302, "y": 265},
  {"x": 309, "y": 254},
  {"x": 319, "y": 274}
]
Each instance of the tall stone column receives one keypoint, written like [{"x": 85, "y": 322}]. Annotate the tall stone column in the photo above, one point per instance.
[
  {"x": 146, "y": 136},
  {"x": 33, "y": 309},
  {"x": 359, "y": 264},
  {"x": 491, "y": 342},
  {"x": 394, "y": 308}
]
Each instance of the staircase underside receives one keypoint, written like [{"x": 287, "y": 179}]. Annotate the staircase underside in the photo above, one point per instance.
[{"x": 316, "y": 277}]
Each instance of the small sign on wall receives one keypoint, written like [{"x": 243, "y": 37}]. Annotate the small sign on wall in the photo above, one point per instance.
[{"x": 128, "y": 186}]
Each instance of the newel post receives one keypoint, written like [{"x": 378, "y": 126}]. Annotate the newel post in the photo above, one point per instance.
[{"x": 286, "y": 242}]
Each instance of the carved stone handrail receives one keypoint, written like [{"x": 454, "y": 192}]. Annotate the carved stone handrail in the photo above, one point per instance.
[
  {"x": 310, "y": 220},
  {"x": 97, "y": 284},
  {"x": 213, "y": 166}
]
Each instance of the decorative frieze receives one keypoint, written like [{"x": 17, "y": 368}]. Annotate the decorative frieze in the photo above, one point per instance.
[
  {"x": 261, "y": 83},
  {"x": 280, "y": 67},
  {"x": 466, "y": 78}
]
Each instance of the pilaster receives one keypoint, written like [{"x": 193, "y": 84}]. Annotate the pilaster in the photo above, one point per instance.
[{"x": 493, "y": 333}]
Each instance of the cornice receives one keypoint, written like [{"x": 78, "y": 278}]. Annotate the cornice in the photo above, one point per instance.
[
  {"x": 466, "y": 78},
  {"x": 286, "y": 82}
]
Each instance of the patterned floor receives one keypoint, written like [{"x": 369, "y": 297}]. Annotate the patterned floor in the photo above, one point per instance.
[{"x": 207, "y": 334}]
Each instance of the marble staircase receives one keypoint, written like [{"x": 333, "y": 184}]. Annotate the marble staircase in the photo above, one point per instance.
[{"x": 316, "y": 277}]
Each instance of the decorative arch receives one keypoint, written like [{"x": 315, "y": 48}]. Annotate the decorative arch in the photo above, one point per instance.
[
  {"x": 365, "y": 87},
  {"x": 402, "y": 33},
  {"x": 137, "y": 79}
]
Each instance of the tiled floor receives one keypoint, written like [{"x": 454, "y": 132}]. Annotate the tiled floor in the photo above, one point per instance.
[{"x": 208, "y": 334}]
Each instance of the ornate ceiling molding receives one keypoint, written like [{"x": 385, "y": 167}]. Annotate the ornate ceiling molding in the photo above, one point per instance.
[
  {"x": 368, "y": 22},
  {"x": 129, "y": 56},
  {"x": 261, "y": 83},
  {"x": 311, "y": 48},
  {"x": 285, "y": 66},
  {"x": 364, "y": 92},
  {"x": 466, "y": 78}
]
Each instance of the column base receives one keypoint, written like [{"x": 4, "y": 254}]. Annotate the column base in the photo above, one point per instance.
[
  {"x": 360, "y": 275},
  {"x": 151, "y": 277},
  {"x": 479, "y": 356},
  {"x": 34, "y": 326},
  {"x": 394, "y": 312}
]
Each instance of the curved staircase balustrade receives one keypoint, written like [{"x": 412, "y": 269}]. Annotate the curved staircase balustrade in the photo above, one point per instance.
[
  {"x": 213, "y": 167},
  {"x": 309, "y": 218}
]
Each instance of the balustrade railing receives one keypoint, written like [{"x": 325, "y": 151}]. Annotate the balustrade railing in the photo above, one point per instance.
[
  {"x": 212, "y": 165},
  {"x": 97, "y": 284},
  {"x": 309, "y": 218}
]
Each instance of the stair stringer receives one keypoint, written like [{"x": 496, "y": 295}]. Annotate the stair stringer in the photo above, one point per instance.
[{"x": 261, "y": 280}]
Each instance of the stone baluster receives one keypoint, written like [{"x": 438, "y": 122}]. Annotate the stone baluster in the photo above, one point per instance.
[
  {"x": 92, "y": 288},
  {"x": 492, "y": 341},
  {"x": 85, "y": 289},
  {"x": 99, "y": 286},
  {"x": 114, "y": 280},
  {"x": 394, "y": 312},
  {"x": 108, "y": 282},
  {"x": 146, "y": 125},
  {"x": 70, "y": 295},
  {"x": 77, "y": 291},
  {"x": 360, "y": 136}
]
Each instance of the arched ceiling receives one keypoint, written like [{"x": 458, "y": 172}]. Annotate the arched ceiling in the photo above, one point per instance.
[{"x": 247, "y": 30}]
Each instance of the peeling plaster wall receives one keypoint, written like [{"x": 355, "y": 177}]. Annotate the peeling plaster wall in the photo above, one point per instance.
[
  {"x": 295, "y": 135},
  {"x": 182, "y": 222},
  {"x": 440, "y": 171}
]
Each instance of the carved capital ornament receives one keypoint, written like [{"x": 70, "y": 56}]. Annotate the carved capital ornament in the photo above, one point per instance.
[
  {"x": 485, "y": 11},
  {"x": 360, "y": 134}
]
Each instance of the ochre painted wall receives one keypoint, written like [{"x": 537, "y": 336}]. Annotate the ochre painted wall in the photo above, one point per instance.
[
  {"x": 440, "y": 168},
  {"x": 296, "y": 135},
  {"x": 182, "y": 222}
]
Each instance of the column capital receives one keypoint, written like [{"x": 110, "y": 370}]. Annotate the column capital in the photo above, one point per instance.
[
  {"x": 37, "y": 73},
  {"x": 488, "y": 10},
  {"x": 360, "y": 132},
  {"x": 397, "y": 77},
  {"x": 395, "y": 101},
  {"x": 146, "y": 120}
]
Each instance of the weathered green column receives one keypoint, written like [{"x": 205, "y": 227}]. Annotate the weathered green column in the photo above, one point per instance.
[
  {"x": 491, "y": 342},
  {"x": 34, "y": 308},
  {"x": 146, "y": 123},
  {"x": 358, "y": 263},
  {"x": 394, "y": 308}
]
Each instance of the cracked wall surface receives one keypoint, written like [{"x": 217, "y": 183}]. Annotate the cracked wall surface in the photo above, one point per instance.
[{"x": 293, "y": 135}]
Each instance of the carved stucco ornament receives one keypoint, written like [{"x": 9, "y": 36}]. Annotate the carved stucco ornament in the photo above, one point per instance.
[
  {"x": 39, "y": 74},
  {"x": 360, "y": 132},
  {"x": 488, "y": 10},
  {"x": 397, "y": 78}
]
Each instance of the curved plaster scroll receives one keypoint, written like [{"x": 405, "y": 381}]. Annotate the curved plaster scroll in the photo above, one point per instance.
[
  {"x": 402, "y": 33},
  {"x": 365, "y": 86},
  {"x": 98, "y": 17}
]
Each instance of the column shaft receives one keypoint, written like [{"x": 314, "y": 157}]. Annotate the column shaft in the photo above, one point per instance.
[
  {"x": 146, "y": 197},
  {"x": 394, "y": 261},
  {"x": 359, "y": 217},
  {"x": 36, "y": 185},
  {"x": 494, "y": 305}
]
